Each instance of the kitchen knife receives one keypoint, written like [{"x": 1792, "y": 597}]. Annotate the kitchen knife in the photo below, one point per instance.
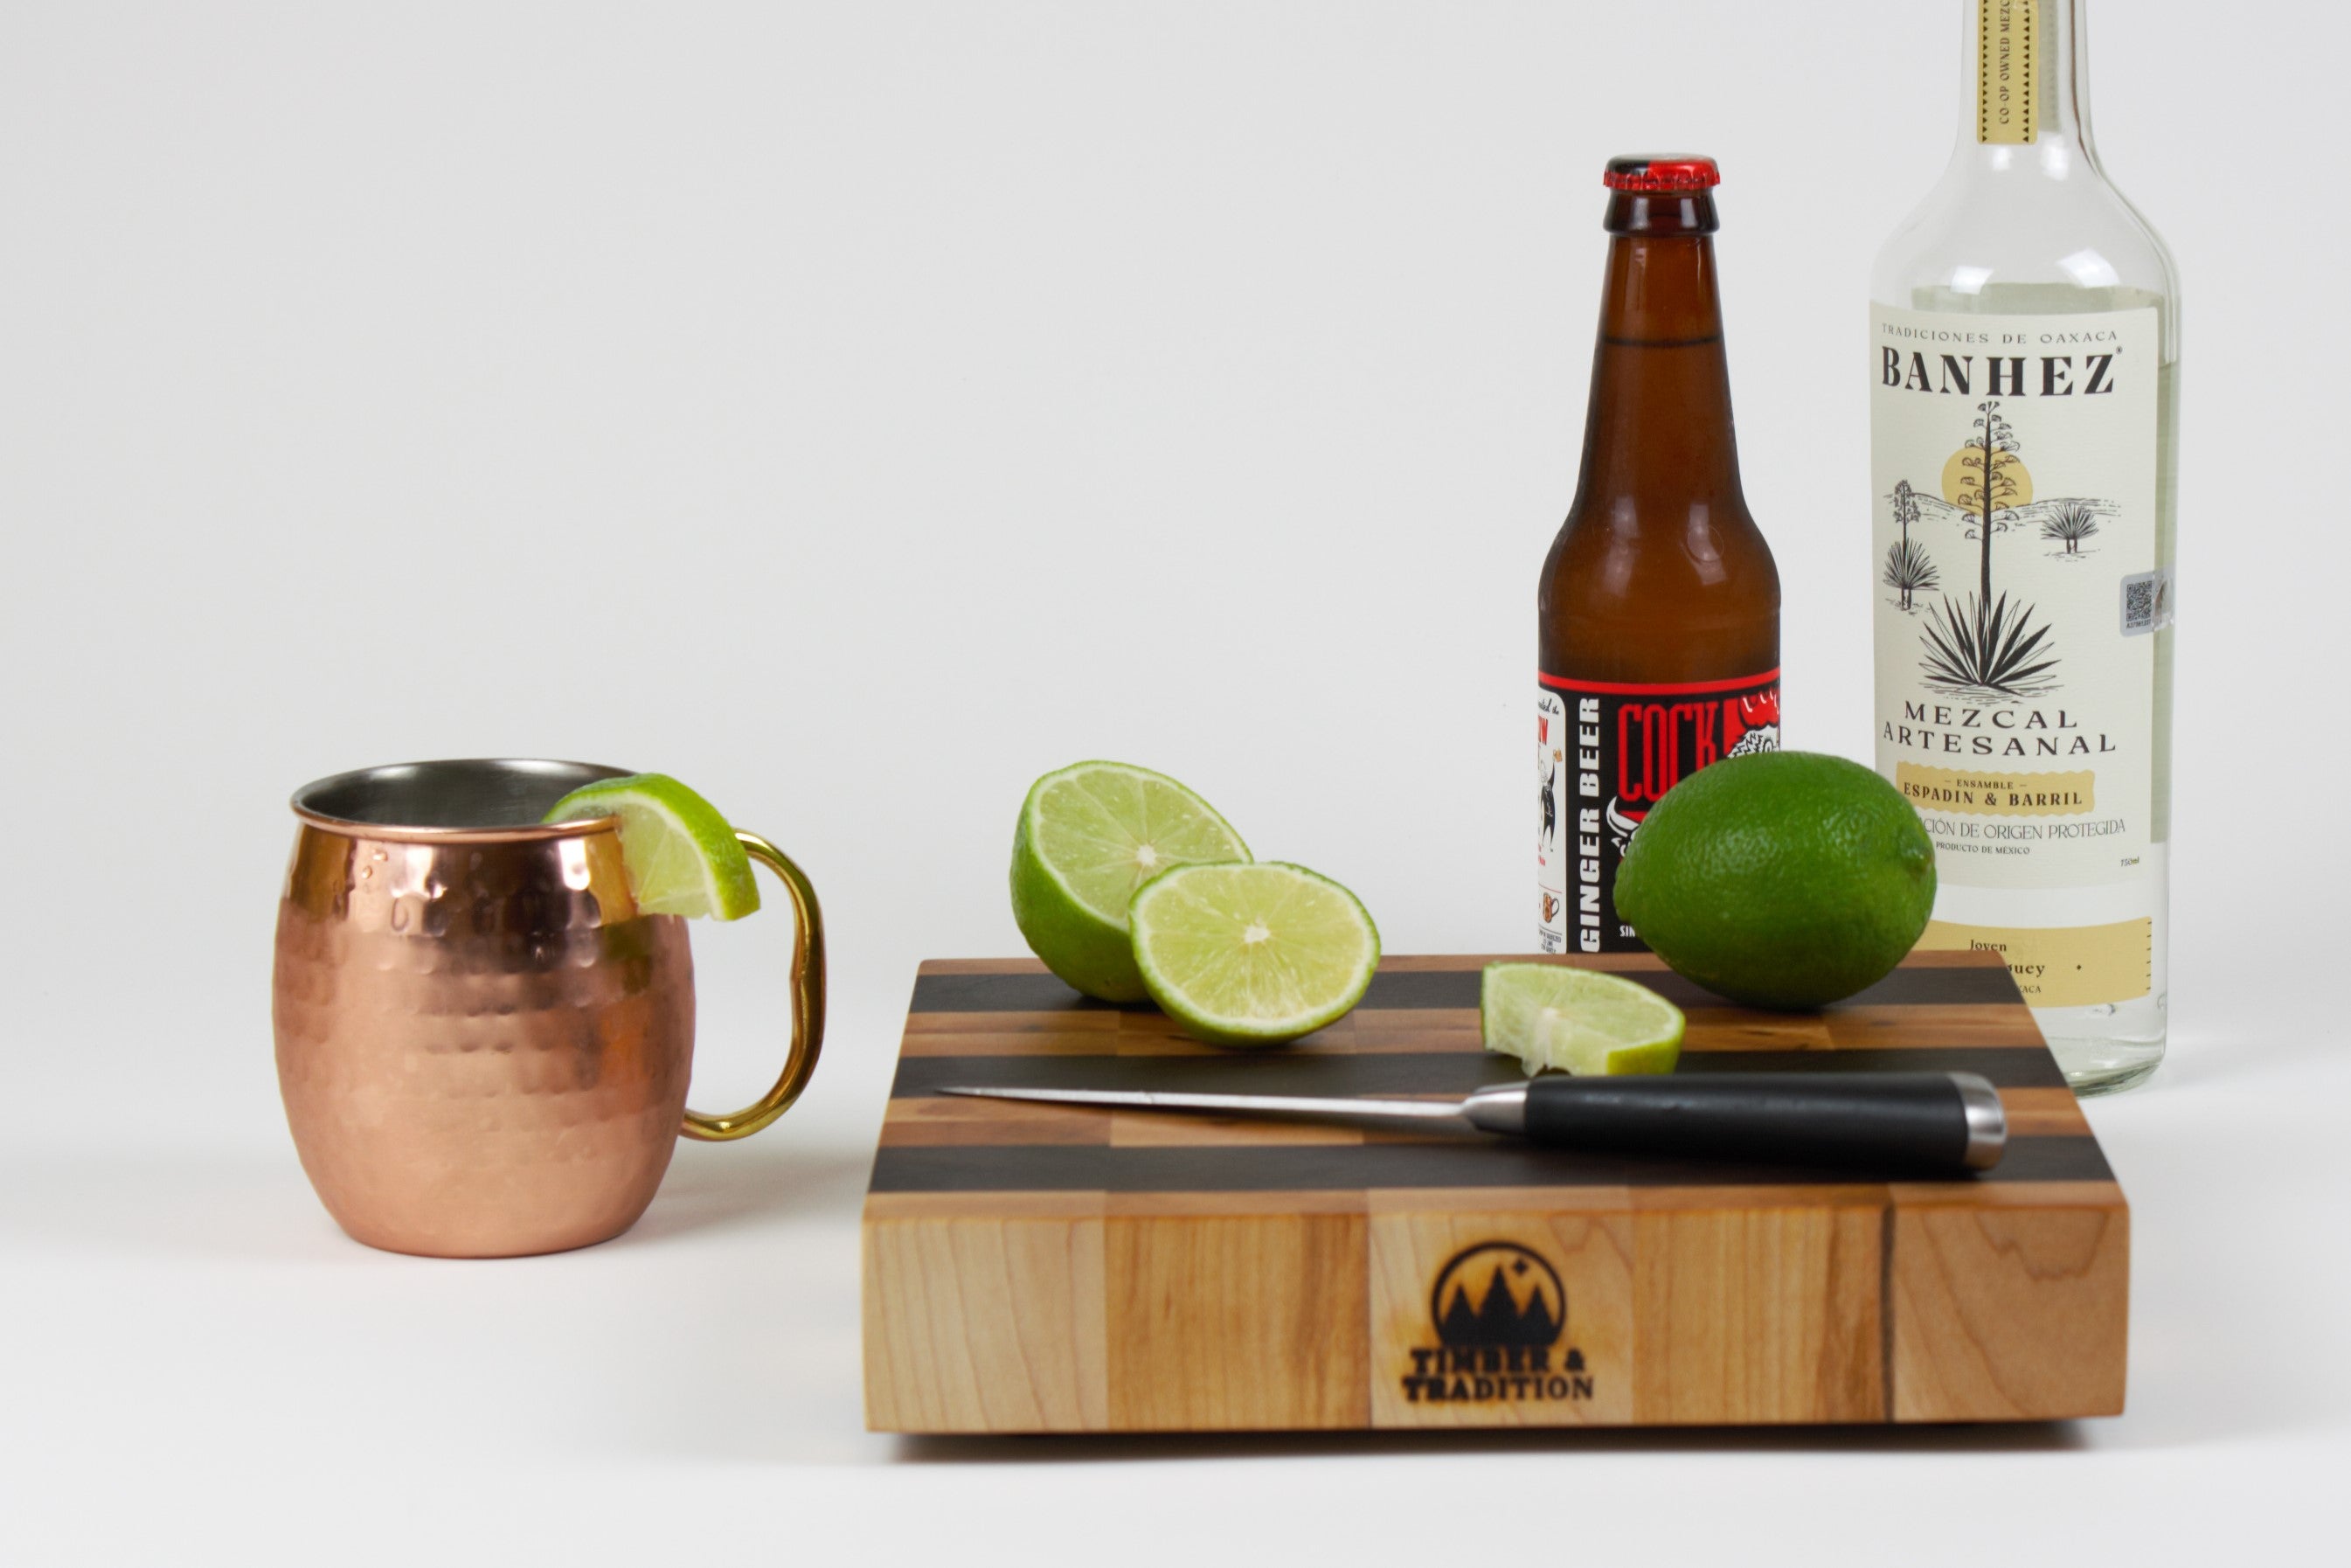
[{"x": 1921, "y": 1120}]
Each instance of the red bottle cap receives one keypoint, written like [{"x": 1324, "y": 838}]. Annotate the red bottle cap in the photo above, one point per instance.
[{"x": 1679, "y": 172}]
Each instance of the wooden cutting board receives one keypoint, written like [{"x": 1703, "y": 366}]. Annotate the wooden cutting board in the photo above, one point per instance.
[{"x": 1048, "y": 1269}]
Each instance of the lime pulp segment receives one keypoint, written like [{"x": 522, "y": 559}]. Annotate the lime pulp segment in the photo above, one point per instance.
[
  {"x": 1089, "y": 836},
  {"x": 1253, "y": 953},
  {"x": 681, "y": 856},
  {"x": 1577, "y": 1020},
  {"x": 1104, "y": 829}
]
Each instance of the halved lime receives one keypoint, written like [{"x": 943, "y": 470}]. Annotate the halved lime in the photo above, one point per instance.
[
  {"x": 1580, "y": 1020},
  {"x": 681, "y": 856},
  {"x": 1091, "y": 834},
  {"x": 1252, "y": 955}
]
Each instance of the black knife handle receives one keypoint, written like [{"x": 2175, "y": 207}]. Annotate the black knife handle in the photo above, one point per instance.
[{"x": 1926, "y": 1121}]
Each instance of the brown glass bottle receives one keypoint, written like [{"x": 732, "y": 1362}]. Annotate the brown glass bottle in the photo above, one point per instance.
[{"x": 1659, "y": 604}]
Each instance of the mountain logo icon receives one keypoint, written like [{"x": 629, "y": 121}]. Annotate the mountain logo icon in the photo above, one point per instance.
[
  {"x": 1498, "y": 1313},
  {"x": 1498, "y": 1293}
]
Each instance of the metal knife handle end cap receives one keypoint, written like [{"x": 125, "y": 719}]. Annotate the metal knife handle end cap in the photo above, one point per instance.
[
  {"x": 1987, "y": 1122},
  {"x": 1499, "y": 1108}
]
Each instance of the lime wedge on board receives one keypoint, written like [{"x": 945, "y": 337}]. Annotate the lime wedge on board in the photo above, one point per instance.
[{"x": 1578, "y": 1021}]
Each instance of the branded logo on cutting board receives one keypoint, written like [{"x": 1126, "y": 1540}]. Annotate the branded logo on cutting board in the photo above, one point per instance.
[{"x": 1498, "y": 1320}]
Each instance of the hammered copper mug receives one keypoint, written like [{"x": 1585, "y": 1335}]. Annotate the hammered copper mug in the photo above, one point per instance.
[{"x": 482, "y": 1042}]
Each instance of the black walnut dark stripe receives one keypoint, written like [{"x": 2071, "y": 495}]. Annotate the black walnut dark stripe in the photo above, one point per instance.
[
  {"x": 1981, "y": 986},
  {"x": 1418, "y": 1072}
]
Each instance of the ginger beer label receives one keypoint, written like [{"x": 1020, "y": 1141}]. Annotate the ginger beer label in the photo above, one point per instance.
[
  {"x": 2017, "y": 594},
  {"x": 1605, "y": 752}
]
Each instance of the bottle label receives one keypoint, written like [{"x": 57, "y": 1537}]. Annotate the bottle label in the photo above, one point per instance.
[
  {"x": 2064, "y": 966},
  {"x": 1605, "y": 752},
  {"x": 2018, "y": 589},
  {"x": 2008, "y": 78}
]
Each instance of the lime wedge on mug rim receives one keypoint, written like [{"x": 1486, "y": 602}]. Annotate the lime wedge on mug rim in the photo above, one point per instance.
[{"x": 681, "y": 856}]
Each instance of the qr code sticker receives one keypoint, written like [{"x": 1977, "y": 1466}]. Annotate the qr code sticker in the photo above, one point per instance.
[{"x": 2147, "y": 603}]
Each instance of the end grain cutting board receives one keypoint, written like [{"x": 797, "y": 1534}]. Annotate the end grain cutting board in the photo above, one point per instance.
[{"x": 1050, "y": 1268}]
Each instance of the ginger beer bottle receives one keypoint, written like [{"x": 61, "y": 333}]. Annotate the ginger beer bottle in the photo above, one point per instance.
[
  {"x": 2024, "y": 345},
  {"x": 1659, "y": 606}
]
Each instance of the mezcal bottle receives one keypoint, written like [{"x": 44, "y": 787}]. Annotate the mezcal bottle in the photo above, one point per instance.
[{"x": 2023, "y": 364}]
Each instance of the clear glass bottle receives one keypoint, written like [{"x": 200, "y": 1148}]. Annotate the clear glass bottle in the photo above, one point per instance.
[{"x": 2024, "y": 385}]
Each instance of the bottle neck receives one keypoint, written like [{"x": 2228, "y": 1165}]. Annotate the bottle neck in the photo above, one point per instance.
[
  {"x": 1659, "y": 430},
  {"x": 2024, "y": 103}
]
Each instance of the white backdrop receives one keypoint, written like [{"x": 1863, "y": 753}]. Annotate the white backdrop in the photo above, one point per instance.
[{"x": 857, "y": 410}]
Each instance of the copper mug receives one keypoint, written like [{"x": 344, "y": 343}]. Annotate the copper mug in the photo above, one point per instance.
[{"x": 482, "y": 1042}]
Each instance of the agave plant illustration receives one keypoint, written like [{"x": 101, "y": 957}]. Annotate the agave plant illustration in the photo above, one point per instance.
[
  {"x": 2069, "y": 523},
  {"x": 1995, "y": 652},
  {"x": 1988, "y": 471},
  {"x": 1908, "y": 572},
  {"x": 1908, "y": 569}
]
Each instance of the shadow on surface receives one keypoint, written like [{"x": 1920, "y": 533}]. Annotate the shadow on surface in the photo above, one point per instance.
[
  {"x": 736, "y": 1186},
  {"x": 240, "y": 1207},
  {"x": 250, "y": 1208},
  {"x": 2033, "y": 1437}
]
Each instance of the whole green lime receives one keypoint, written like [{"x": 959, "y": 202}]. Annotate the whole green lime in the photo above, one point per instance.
[{"x": 1782, "y": 879}]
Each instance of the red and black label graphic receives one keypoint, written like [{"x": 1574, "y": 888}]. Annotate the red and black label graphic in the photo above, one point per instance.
[{"x": 1607, "y": 752}]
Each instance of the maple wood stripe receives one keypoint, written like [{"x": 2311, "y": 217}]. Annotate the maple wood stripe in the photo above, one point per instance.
[
  {"x": 1479, "y": 1162},
  {"x": 1973, "y": 985},
  {"x": 1419, "y": 1072}
]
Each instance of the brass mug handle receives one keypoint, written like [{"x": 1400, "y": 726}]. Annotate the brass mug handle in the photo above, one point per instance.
[{"x": 808, "y": 1005}]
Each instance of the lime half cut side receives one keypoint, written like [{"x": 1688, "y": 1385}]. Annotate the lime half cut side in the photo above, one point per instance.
[
  {"x": 1577, "y": 1020},
  {"x": 1252, "y": 955},
  {"x": 681, "y": 856},
  {"x": 1089, "y": 835}
]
